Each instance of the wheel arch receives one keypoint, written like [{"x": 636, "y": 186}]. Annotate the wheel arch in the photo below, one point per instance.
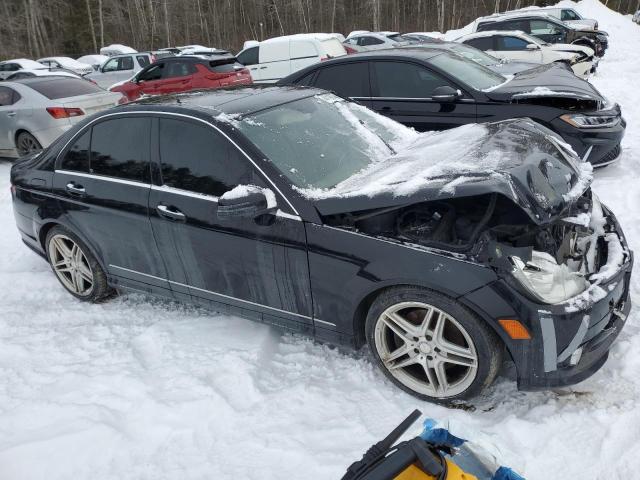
[{"x": 50, "y": 224}]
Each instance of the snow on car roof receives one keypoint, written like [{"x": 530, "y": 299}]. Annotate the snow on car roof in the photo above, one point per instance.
[
  {"x": 25, "y": 63},
  {"x": 301, "y": 36}
]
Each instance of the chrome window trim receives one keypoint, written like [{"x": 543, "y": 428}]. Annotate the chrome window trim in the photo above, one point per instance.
[
  {"x": 104, "y": 177},
  {"x": 184, "y": 193},
  {"x": 158, "y": 112},
  {"x": 213, "y": 293}
]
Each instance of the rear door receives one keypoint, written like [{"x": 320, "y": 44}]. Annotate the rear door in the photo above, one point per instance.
[
  {"x": 9, "y": 112},
  {"x": 303, "y": 53},
  {"x": 403, "y": 91},
  {"x": 255, "y": 269},
  {"x": 177, "y": 76},
  {"x": 102, "y": 181}
]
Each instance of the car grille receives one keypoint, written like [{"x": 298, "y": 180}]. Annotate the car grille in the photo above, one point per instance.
[{"x": 613, "y": 154}]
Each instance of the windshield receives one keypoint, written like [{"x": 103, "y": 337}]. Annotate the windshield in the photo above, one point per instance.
[
  {"x": 467, "y": 71},
  {"x": 317, "y": 142},
  {"x": 474, "y": 54}
]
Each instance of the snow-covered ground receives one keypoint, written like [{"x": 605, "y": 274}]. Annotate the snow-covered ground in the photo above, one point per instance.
[{"x": 143, "y": 389}]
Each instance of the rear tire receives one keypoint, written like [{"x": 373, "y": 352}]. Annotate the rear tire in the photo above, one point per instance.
[
  {"x": 27, "y": 144},
  {"x": 432, "y": 346},
  {"x": 75, "y": 266}
]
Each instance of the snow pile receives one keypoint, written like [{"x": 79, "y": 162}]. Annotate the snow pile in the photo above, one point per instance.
[{"x": 139, "y": 388}]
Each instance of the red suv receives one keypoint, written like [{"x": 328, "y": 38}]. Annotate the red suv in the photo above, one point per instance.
[{"x": 184, "y": 73}]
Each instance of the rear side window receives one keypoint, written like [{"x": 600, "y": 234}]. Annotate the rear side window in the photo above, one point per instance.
[
  {"x": 405, "y": 80},
  {"x": 120, "y": 148},
  {"x": 8, "y": 96},
  {"x": 349, "y": 80},
  {"x": 77, "y": 157},
  {"x": 143, "y": 60},
  {"x": 511, "y": 43},
  {"x": 232, "y": 66},
  {"x": 177, "y": 69},
  {"x": 195, "y": 158},
  {"x": 249, "y": 56},
  {"x": 55, "y": 88},
  {"x": 481, "y": 43},
  {"x": 367, "y": 41}
]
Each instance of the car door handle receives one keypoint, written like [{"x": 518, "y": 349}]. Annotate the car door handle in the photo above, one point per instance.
[
  {"x": 262, "y": 68},
  {"x": 76, "y": 189},
  {"x": 172, "y": 213},
  {"x": 11, "y": 114}
]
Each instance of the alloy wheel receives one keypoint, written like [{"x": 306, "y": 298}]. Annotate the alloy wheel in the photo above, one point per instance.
[
  {"x": 426, "y": 349},
  {"x": 71, "y": 265},
  {"x": 27, "y": 144}
]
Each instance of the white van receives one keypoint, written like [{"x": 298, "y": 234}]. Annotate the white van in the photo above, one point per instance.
[{"x": 275, "y": 58}]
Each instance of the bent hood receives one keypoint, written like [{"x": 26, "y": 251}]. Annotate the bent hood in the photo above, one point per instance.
[
  {"x": 550, "y": 80},
  {"x": 568, "y": 47},
  {"x": 515, "y": 158}
]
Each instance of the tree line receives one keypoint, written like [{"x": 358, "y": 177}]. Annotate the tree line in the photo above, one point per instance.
[{"x": 37, "y": 28}]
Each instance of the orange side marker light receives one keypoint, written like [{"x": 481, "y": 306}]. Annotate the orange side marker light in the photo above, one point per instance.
[{"x": 515, "y": 329}]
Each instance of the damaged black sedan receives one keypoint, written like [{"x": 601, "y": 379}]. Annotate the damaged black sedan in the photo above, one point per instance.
[{"x": 443, "y": 252}]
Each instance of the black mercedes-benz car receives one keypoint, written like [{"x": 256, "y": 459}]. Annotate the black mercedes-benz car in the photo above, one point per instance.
[
  {"x": 432, "y": 89},
  {"x": 293, "y": 207}
]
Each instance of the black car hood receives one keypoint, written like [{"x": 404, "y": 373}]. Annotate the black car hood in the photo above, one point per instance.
[
  {"x": 545, "y": 81},
  {"x": 518, "y": 159}
]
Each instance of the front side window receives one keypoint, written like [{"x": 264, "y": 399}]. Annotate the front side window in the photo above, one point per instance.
[
  {"x": 152, "y": 73},
  {"x": 249, "y": 56},
  {"x": 120, "y": 148},
  {"x": 467, "y": 72},
  {"x": 111, "y": 65},
  {"x": 348, "y": 80},
  {"x": 405, "y": 80},
  {"x": 511, "y": 44},
  {"x": 196, "y": 158},
  {"x": 77, "y": 157}
]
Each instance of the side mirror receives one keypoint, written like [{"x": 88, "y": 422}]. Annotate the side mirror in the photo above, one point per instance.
[
  {"x": 532, "y": 46},
  {"x": 247, "y": 201},
  {"x": 446, "y": 94}
]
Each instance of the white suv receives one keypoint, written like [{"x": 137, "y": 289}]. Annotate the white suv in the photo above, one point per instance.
[
  {"x": 120, "y": 68},
  {"x": 516, "y": 45}
]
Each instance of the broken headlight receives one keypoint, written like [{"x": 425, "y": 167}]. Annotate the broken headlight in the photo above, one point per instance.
[
  {"x": 591, "y": 121},
  {"x": 545, "y": 280}
]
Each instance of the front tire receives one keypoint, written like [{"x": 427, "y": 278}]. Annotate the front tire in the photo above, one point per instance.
[
  {"x": 27, "y": 144},
  {"x": 432, "y": 346},
  {"x": 75, "y": 266}
]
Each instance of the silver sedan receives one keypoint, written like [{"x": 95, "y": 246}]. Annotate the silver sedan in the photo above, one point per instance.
[{"x": 36, "y": 111}]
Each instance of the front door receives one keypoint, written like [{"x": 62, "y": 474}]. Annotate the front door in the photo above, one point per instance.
[
  {"x": 403, "y": 92},
  {"x": 251, "y": 268},
  {"x": 102, "y": 182},
  {"x": 516, "y": 48}
]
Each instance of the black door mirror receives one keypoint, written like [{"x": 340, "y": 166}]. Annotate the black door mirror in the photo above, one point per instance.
[
  {"x": 446, "y": 94},
  {"x": 246, "y": 201}
]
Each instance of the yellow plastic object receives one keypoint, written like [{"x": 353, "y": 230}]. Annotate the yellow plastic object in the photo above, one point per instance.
[{"x": 453, "y": 473}]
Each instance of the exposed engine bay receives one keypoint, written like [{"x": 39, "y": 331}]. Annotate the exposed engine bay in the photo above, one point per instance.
[{"x": 553, "y": 260}]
